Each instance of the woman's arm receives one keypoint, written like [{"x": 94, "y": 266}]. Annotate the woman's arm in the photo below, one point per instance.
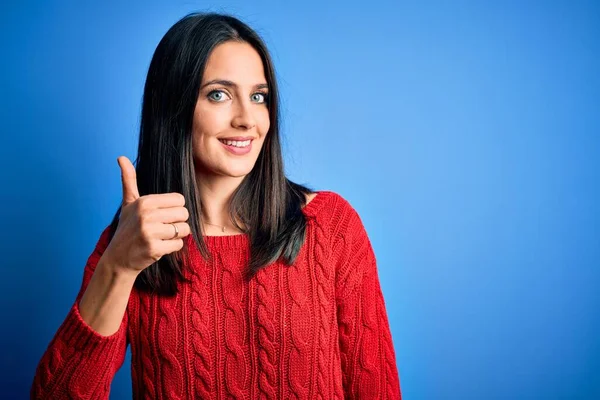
[
  {"x": 89, "y": 347},
  {"x": 366, "y": 349}
]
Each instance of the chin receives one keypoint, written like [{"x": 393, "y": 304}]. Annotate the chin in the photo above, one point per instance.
[{"x": 238, "y": 172}]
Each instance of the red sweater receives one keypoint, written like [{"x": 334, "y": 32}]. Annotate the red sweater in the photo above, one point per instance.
[{"x": 316, "y": 330}]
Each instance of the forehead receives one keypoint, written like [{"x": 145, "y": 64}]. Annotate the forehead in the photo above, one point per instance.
[{"x": 235, "y": 61}]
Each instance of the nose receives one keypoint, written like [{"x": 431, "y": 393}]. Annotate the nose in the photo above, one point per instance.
[{"x": 243, "y": 117}]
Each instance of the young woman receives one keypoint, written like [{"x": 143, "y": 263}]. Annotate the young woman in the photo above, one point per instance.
[{"x": 227, "y": 279}]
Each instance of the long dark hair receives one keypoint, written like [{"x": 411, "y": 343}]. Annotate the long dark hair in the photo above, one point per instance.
[{"x": 266, "y": 202}]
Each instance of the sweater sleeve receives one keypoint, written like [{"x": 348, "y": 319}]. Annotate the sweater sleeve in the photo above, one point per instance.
[
  {"x": 79, "y": 362},
  {"x": 367, "y": 354}
]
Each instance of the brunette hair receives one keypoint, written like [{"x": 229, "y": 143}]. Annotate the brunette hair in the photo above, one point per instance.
[{"x": 267, "y": 203}]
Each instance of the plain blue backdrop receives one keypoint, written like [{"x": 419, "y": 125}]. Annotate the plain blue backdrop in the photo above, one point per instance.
[{"x": 466, "y": 135}]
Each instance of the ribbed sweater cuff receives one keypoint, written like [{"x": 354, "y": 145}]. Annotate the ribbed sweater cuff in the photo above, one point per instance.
[{"x": 77, "y": 334}]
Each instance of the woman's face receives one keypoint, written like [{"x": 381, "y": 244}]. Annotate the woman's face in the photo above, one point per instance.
[{"x": 233, "y": 107}]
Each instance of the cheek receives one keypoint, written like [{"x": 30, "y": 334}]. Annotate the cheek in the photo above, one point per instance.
[
  {"x": 209, "y": 122},
  {"x": 263, "y": 122}
]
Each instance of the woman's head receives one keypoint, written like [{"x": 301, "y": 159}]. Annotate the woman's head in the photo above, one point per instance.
[
  {"x": 180, "y": 112},
  {"x": 211, "y": 77},
  {"x": 231, "y": 118}
]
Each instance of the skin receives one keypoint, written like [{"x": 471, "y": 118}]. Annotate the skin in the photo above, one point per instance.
[{"x": 226, "y": 111}]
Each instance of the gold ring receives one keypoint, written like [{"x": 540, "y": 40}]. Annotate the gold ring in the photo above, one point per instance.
[{"x": 176, "y": 230}]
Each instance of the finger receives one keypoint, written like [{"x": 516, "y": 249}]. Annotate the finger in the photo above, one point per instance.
[
  {"x": 129, "y": 180},
  {"x": 170, "y": 246},
  {"x": 163, "y": 200},
  {"x": 166, "y": 231},
  {"x": 168, "y": 215}
]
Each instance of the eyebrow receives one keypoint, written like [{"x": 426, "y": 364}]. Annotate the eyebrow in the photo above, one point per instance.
[{"x": 232, "y": 84}]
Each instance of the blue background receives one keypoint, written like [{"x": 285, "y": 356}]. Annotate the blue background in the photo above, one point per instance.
[{"x": 466, "y": 135}]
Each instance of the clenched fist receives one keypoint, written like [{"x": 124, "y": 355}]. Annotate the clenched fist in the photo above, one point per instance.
[{"x": 145, "y": 233}]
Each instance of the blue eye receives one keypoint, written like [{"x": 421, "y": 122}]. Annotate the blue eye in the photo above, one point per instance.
[
  {"x": 265, "y": 97},
  {"x": 218, "y": 96},
  {"x": 217, "y": 99}
]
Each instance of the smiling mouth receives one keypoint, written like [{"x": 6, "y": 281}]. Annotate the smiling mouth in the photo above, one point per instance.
[
  {"x": 236, "y": 143},
  {"x": 238, "y": 148}
]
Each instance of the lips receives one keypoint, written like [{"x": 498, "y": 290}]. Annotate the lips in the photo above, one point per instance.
[
  {"x": 237, "y": 150},
  {"x": 238, "y": 138},
  {"x": 233, "y": 140}
]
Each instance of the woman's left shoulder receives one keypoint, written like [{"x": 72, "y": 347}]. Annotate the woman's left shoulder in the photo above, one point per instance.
[
  {"x": 332, "y": 201},
  {"x": 320, "y": 203},
  {"x": 310, "y": 197},
  {"x": 331, "y": 209}
]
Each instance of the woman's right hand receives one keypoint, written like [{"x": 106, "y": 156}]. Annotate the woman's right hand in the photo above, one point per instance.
[{"x": 145, "y": 233}]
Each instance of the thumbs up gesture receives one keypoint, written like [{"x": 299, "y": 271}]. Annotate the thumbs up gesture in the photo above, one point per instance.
[{"x": 145, "y": 232}]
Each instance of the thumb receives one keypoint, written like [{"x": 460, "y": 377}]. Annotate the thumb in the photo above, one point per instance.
[{"x": 129, "y": 180}]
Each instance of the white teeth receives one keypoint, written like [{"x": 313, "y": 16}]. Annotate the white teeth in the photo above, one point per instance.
[{"x": 236, "y": 143}]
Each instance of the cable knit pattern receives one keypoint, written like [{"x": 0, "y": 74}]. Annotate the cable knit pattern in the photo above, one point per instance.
[
  {"x": 323, "y": 303},
  {"x": 202, "y": 341},
  {"x": 144, "y": 354},
  {"x": 301, "y": 325},
  {"x": 235, "y": 330},
  {"x": 315, "y": 330},
  {"x": 267, "y": 353},
  {"x": 169, "y": 335}
]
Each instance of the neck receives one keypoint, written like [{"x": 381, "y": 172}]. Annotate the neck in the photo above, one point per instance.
[{"x": 215, "y": 196}]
